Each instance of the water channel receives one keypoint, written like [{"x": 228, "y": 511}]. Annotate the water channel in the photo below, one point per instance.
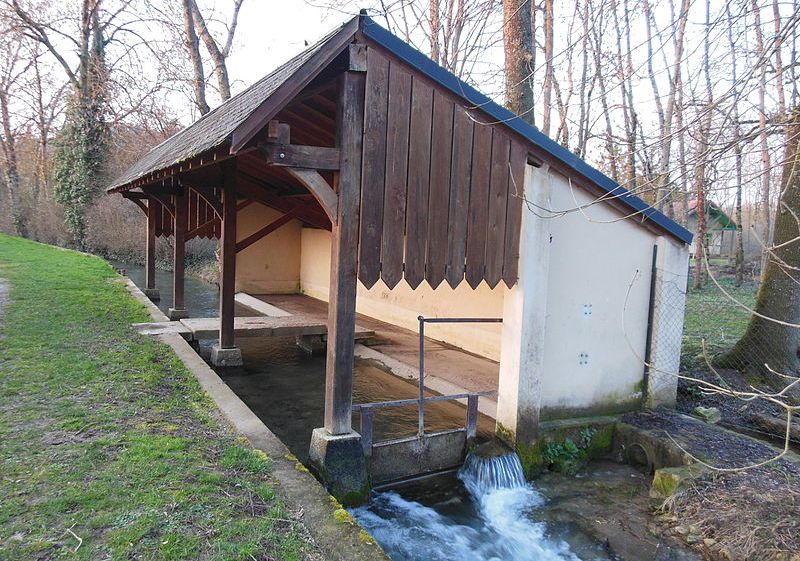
[{"x": 485, "y": 512}]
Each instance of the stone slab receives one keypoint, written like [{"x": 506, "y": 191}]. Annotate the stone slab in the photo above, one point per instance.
[
  {"x": 287, "y": 326},
  {"x": 175, "y": 314},
  {"x": 259, "y": 305},
  {"x": 163, "y": 327}
]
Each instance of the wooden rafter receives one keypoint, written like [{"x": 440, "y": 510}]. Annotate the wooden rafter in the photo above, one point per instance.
[{"x": 265, "y": 231}]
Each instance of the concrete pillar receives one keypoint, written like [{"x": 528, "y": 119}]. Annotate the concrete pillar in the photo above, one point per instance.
[
  {"x": 524, "y": 313},
  {"x": 669, "y": 300}
]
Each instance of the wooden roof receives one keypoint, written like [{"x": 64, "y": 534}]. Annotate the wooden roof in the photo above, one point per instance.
[{"x": 228, "y": 129}]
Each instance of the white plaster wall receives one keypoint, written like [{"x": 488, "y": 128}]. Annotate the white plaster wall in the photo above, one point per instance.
[
  {"x": 272, "y": 264},
  {"x": 597, "y": 306},
  {"x": 401, "y": 305}
]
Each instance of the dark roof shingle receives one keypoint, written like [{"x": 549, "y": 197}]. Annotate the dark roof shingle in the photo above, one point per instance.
[{"x": 215, "y": 127}]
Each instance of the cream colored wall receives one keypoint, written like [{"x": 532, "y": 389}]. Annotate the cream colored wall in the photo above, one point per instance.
[
  {"x": 401, "y": 305},
  {"x": 597, "y": 307},
  {"x": 272, "y": 264}
]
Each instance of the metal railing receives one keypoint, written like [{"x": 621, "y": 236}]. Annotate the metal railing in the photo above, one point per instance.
[{"x": 367, "y": 409}]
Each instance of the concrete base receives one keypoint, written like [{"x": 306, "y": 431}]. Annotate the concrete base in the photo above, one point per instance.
[
  {"x": 177, "y": 314},
  {"x": 312, "y": 344},
  {"x": 408, "y": 457},
  {"x": 339, "y": 460},
  {"x": 226, "y": 357},
  {"x": 152, "y": 293}
]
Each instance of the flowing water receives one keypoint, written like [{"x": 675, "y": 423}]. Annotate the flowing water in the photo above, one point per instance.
[{"x": 487, "y": 514}]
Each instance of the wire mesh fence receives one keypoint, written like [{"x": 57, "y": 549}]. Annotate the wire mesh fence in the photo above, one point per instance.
[{"x": 716, "y": 317}]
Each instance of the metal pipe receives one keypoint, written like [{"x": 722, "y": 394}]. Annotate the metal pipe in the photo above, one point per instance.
[
  {"x": 414, "y": 401},
  {"x": 421, "y": 406}
]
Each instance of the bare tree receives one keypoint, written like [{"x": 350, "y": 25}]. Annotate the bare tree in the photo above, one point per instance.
[
  {"x": 192, "y": 44},
  {"x": 518, "y": 41}
]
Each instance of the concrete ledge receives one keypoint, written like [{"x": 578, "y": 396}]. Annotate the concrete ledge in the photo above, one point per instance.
[
  {"x": 406, "y": 457},
  {"x": 176, "y": 314},
  {"x": 226, "y": 357},
  {"x": 134, "y": 290},
  {"x": 333, "y": 529},
  {"x": 259, "y": 305}
]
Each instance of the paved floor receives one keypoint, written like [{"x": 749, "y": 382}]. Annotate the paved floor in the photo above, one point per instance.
[{"x": 447, "y": 368}]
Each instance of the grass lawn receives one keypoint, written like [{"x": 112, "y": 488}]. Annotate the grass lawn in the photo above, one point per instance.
[
  {"x": 108, "y": 447},
  {"x": 713, "y": 317}
]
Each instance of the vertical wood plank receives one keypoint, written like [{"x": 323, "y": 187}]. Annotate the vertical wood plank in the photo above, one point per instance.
[
  {"x": 498, "y": 200},
  {"x": 179, "y": 253},
  {"x": 419, "y": 169},
  {"x": 516, "y": 183},
  {"x": 373, "y": 175},
  {"x": 191, "y": 213},
  {"x": 394, "y": 199},
  {"x": 228, "y": 256},
  {"x": 479, "y": 204},
  {"x": 439, "y": 196},
  {"x": 150, "y": 248},
  {"x": 459, "y": 196},
  {"x": 344, "y": 254}
]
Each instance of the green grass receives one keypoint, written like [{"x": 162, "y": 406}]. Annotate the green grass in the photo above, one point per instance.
[
  {"x": 104, "y": 434},
  {"x": 713, "y": 317}
]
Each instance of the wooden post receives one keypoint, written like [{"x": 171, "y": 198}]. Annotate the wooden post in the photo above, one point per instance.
[
  {"x": 228, "y": 257},
  {"x": 344, "y": 256},
  {"x": 150, "y": 250},
  {"x": 178, "y": 310}
]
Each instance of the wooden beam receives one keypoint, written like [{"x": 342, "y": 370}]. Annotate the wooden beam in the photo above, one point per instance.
[
  {"x": 316, "y": 184},
  {"x": 139, "y": 200},
  {"x": 207, "y": 193},
  {"x": 201, "y": 229},
  {"x": 296, "y": 155},
  {"x": 244, "y": 204},
  {"x": 311, "y": 215},
  {"x": 150, "y": 249},
  {"x": 344, "y": 257},
  {"x": 165, "y": 202},
  {"x": 265, "y": 231},
  {"x": 228, "y": 256},
  {"x": 179, "y": 254}
]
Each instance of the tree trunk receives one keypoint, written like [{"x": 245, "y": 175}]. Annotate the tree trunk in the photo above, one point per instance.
[
  {"x": 518, "y": 41},
  {"x": 763, "y": 142},
  {"x": 193, "y": 46},
  {"x": 765, "y": 341},
  {"x": 547, "y": 89},
  {"x": 12, "y": 171}
]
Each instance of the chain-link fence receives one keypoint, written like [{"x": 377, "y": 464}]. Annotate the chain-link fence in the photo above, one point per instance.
[
  {"x": 715, "y": 319},
  {"x": 717, "y": 316}
]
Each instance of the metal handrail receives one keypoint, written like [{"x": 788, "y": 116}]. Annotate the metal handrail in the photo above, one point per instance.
[
  {"x": 421, "y": 398},
  {"x": 366, "y": 409}
]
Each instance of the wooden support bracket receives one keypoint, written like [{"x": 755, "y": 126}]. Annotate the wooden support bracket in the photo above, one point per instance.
[
  {"x": 165, "y": 201},
  {"x": 208, "y": 194},
  {"x": 295, "y": 155},
  {"x": 139, "y": 199},
  {"x": 316, "y": 184}
]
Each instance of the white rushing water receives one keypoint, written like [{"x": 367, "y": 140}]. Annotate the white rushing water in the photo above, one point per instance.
[{"x": 495, "y": 527}]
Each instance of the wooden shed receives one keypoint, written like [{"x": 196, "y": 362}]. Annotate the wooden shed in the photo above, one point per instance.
[{"x": 408, "y": 175}]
